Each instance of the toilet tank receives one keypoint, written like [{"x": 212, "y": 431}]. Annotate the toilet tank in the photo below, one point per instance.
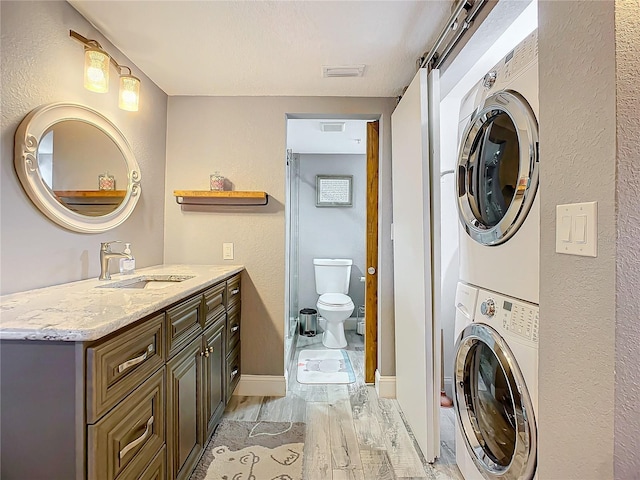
[{"x": 332, "y": 275}]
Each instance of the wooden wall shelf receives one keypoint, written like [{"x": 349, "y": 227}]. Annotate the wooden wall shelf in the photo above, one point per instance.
[{"x": 208, "y": 197}]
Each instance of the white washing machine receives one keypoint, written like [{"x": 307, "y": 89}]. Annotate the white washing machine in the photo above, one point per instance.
[
  {"x": 496, "y": 386},
  {"x": 497, "y": 179}
]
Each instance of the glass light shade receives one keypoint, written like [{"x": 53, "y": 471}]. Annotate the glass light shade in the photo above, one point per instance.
[
  {"x": 129, "y": 95},
  {"x": 96, "y": 70}
]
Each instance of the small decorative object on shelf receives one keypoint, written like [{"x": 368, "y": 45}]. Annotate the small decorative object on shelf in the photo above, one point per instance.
[
  {"x": 216, "y": 182},
  {"x": 106, "y": 181}
]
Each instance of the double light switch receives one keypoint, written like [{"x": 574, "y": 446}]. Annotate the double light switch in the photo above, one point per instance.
[{"x": 576, "y": 229}]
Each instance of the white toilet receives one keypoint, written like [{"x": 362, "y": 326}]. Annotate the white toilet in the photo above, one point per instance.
[{"x": 334, "y": 305}]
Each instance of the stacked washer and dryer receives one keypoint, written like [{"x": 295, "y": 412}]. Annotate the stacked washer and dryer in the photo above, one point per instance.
[{"x": 496, "y": 360}]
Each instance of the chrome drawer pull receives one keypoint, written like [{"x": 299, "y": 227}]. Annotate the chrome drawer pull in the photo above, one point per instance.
[
  {"x": 235, "y": 329},
  {"x": 234, "y": 372},
  {"x": 235, "y": 291},
  {"x": 134, "y": 361},
  {"x": 138, "y": 440}
]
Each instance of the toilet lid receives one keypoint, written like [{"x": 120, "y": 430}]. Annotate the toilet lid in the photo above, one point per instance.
[{"x": 334, "y": 299}]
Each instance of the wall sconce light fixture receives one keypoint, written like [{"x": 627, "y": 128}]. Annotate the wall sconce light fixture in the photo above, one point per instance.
[{"x": 96, "y": 74}]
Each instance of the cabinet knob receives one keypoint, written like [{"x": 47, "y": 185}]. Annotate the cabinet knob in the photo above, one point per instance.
[
  {"x": 205, "y": 353},
  {"x": 210, "y": 349}
]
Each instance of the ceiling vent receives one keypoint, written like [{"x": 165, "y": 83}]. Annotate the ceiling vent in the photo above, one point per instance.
[
  {"x": 332, "y": 126},
  {"x": 343, "y": 71}
]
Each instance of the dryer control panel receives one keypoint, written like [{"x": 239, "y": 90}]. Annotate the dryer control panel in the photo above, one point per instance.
[
  {"x": 508, "y": 314},
  {"x": 514, "y": 63}
]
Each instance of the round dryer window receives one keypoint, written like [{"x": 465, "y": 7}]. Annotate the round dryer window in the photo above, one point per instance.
[
  {"x": 493, "y": 406},
  {"x": 497, "y": 174}
]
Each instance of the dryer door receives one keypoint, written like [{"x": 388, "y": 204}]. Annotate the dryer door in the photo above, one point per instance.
[
  {"x": 493, "y": 406},
  {"x": 497, "y": 175}
]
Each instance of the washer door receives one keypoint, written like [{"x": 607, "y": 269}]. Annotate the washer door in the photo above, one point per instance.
[
  {"x": 497, "y": 175},
  {"x": 493, "y": 405}
]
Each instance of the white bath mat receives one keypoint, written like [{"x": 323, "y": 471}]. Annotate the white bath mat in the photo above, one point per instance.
[{"x": 325, "y": 366}]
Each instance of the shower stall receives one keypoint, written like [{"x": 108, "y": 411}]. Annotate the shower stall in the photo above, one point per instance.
[{"x": 292, "y": 268}]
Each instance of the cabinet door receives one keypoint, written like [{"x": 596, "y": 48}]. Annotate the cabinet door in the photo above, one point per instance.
[
  {"x": 184, "y": 407},
  {"x": 213, "y": 385}
]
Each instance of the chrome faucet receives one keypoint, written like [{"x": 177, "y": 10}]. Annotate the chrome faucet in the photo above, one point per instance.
[{"x": 105, "y": 255}]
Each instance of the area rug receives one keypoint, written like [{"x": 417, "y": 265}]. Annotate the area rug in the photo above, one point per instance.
[
  {"x": 253, "y": 450},
  {"x": 325, "y": 366}
]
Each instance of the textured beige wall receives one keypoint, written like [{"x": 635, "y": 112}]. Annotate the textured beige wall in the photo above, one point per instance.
[
  {"x": 577, "y": 294},
  {"x": 245, "y": 138},
  {"x": 627, "y": 392},
  {"x": 42, "y": 64}
]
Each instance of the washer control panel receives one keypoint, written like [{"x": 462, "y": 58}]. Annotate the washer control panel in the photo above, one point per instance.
[
  {"x": 504, "y": 313},
  {"x": 520, "y": 319}
]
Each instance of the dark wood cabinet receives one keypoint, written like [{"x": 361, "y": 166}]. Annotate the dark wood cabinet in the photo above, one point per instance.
[{"x": 137, "y": 404}]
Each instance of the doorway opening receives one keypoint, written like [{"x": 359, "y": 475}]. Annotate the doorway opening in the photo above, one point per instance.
[{"x": 328, "y": 215}]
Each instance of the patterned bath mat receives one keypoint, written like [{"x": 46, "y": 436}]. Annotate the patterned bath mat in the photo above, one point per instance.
[
  {"x": 325, "y": 366},
  {"x": 253, "y": 450}
]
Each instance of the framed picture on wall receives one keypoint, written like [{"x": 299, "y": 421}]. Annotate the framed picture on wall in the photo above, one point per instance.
[{"x": 334, "y": 190}]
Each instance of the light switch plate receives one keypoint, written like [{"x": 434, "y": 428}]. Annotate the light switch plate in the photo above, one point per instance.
[
  {"x": 227, "y": 251},
  {"x": 577, "y": 229}
]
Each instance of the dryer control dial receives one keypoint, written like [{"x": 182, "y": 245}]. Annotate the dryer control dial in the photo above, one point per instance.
[
  {"x": 489, "y": 79},
  {"x": 488, "y": 308}
]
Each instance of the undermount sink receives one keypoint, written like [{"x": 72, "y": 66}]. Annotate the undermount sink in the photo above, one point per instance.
[{"x": 148, "y": 282}]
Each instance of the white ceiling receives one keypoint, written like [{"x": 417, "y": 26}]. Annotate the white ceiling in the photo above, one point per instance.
[{"x": 249, "y": 48}]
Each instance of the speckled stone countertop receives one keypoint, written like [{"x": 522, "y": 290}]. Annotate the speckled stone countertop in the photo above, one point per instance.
[{"x": 85, "y": 310}]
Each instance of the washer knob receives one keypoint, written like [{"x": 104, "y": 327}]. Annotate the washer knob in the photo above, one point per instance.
[
  {"x": 489, "y": 79},
  {"x": 488, "y": 308}
]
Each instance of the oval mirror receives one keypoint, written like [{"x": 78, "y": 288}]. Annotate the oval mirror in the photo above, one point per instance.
[{"x": 77, "y": 167}]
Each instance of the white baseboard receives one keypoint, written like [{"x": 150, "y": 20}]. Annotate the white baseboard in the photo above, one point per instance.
[
  {"x": 385, "y": 386},
  {"x": 261, "y": 386}
]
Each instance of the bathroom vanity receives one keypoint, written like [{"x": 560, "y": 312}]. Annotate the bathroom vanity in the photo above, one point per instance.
[{"x": 124, "y": 379}]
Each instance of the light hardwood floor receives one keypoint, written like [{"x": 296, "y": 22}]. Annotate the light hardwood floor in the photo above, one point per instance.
[{"x": 351, "y": 433}]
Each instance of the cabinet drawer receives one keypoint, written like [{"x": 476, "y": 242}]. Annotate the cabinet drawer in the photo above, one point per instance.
[
  {"x": 233, "y": 291},
  {"x": 125, "y": 441},
  {"x": 233, "y": 328},
  {"x": 214, "y": 303},
  {"x": 233, "y": 371},
  {"x": 183, "y": 324},
  {"x": 116, "y": 367},
  {"x": 157, "y": 469}
]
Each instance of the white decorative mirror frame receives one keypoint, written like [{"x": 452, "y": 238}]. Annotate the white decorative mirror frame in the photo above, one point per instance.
[{"x": 27, "y": 139}]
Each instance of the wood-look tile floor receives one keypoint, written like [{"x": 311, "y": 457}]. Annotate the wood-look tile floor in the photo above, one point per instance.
[{"x": 351, "y": 433}]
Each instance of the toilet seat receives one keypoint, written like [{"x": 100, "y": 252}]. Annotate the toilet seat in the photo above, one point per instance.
[{"x": 334, "y": 299}]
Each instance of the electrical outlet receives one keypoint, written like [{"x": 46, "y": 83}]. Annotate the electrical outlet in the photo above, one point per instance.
[{"x": 227, "y": 251}]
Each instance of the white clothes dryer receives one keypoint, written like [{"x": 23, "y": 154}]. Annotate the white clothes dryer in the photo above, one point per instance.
[
  {"x": 497, "y": 179},
  {"x": 496, "y": 389}
]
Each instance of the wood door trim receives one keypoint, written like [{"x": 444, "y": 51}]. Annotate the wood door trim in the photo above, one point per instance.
[{"x": 371, "y": 283}]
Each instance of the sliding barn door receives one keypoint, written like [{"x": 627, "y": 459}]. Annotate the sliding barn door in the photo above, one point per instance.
[{"x": 417, "y": 345}]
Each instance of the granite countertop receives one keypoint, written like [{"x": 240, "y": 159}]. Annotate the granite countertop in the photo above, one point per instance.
[{"x": 86, "y": 311}]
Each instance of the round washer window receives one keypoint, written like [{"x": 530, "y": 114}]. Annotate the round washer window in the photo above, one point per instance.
[
  {"x": 495, "y": 178},
  {"x": 494, "y": 410},
  {"x": 497, "y": 174}
]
